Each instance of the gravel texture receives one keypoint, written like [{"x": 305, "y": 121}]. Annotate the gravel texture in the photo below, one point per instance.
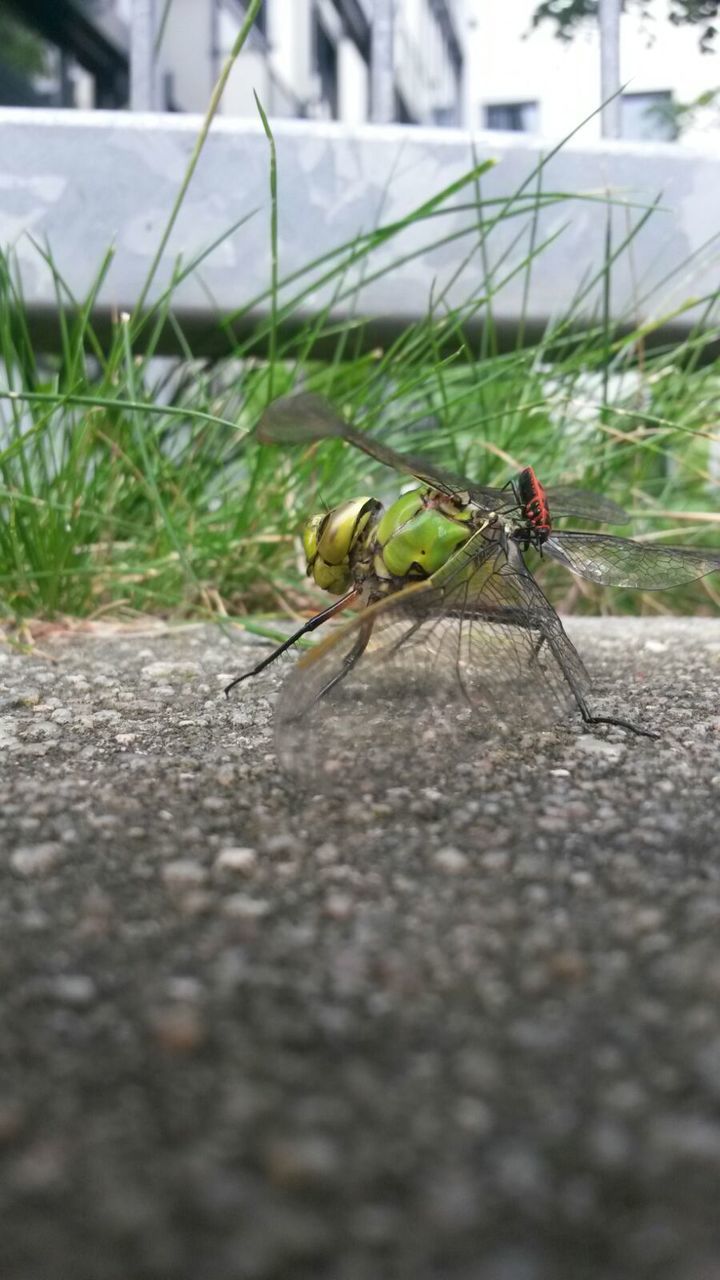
[{"x": 469, "y": 1033}]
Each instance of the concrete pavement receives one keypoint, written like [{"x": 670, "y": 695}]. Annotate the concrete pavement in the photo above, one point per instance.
[{"x": 469, "y": 1033}]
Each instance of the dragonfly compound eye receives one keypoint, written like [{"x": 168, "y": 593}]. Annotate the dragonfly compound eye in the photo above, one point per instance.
[{"x": 330, "y": 539}]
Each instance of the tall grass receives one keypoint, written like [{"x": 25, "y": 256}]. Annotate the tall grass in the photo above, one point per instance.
[{"x": 134, "y": 484}]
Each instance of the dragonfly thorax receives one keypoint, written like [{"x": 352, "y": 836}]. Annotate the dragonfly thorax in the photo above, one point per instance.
[
  {"x": 418, "y": 533},
  {"x": 356, "y": 543}
]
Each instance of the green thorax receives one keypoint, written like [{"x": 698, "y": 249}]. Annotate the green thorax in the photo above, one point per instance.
[
  {"x": 418, "y": 534},
  {"x": 355, "y": 544}
]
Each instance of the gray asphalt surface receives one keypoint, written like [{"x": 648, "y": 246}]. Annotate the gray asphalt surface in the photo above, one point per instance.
[{"x": 250, "y": 1032}]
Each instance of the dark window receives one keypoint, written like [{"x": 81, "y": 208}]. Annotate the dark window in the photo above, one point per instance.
[
  {"x": 17, "y": 91},
  {"x": 402, "y": 111},
  {"x": 647, "y": 117},
  {"x": 44, "y": 65},
  {"x": 326, "y": 66},
  {"x": 168, "y": 91},
  {"x": 29, "y": 66},
  {"x": 515, "y": 117}
]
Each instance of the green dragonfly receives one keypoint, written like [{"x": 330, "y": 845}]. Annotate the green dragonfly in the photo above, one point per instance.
[{"x": 443, "y": 596}]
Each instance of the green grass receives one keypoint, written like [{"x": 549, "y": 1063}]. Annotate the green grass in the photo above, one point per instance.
[{"x": 129, "y": 485}]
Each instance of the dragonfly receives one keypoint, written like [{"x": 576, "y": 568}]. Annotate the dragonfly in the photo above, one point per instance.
[
  {"x": 602, "y": 558},
  {"x": 443, "y": 595}
]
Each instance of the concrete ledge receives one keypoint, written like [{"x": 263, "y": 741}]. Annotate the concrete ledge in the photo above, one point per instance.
[{"x": 83, "y": 181}]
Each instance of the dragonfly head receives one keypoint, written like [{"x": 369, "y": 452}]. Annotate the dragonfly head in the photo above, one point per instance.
[{"x": 333, "y": 539}]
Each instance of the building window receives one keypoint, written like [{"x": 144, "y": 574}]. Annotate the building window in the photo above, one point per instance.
[
  {"x": 648, "y": 117},
  {"x": 326, "y": 66},
  {"x": 515, "y": 117},
  {"x": 445, "y": 117}
]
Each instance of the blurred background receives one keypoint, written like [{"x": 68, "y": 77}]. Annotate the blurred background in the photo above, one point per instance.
[
  {"x": 523, "y": 66},
  {"x": 464, "y": 280}
]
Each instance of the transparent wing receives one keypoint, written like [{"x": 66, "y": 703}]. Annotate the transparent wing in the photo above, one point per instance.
[
  {"x": 620, "y": 562},
  {"x": 306, "y": 417},
  {"x": 564, "y": 500},
  {"x": 299, "y": 419},
  {"x": 419, "y": 681}
]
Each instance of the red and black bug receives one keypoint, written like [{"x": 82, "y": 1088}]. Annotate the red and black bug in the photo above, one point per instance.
[{"x": 536, "y": 525}]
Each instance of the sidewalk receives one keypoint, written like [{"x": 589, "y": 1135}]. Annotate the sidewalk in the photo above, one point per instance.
[{"x": 250, "y": 1033}]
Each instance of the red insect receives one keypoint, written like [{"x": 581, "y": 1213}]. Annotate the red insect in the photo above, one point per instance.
[{"x": 533, "y": 503}]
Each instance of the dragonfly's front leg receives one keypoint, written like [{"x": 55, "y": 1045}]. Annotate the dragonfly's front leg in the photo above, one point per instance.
[{"x": 317, "y": 621}]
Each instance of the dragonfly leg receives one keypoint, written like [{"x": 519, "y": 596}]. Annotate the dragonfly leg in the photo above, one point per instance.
[
  {"x": 349, "y": 660},
  {"x": 582, "y": 705},
  {"x": 462, "y": 685},
  {"x": 588, "y": 718},
  {"x": 310, "y": 625},
  {"x": 537, "y": 647}
]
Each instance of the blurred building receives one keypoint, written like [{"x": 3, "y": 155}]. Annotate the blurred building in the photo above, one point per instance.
[
  {"x": 528, "y": 81},
  {"x": 311, "y": 58},
  {"x": 450, "y": 62},
  {"x": 62, "y": 53}
]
